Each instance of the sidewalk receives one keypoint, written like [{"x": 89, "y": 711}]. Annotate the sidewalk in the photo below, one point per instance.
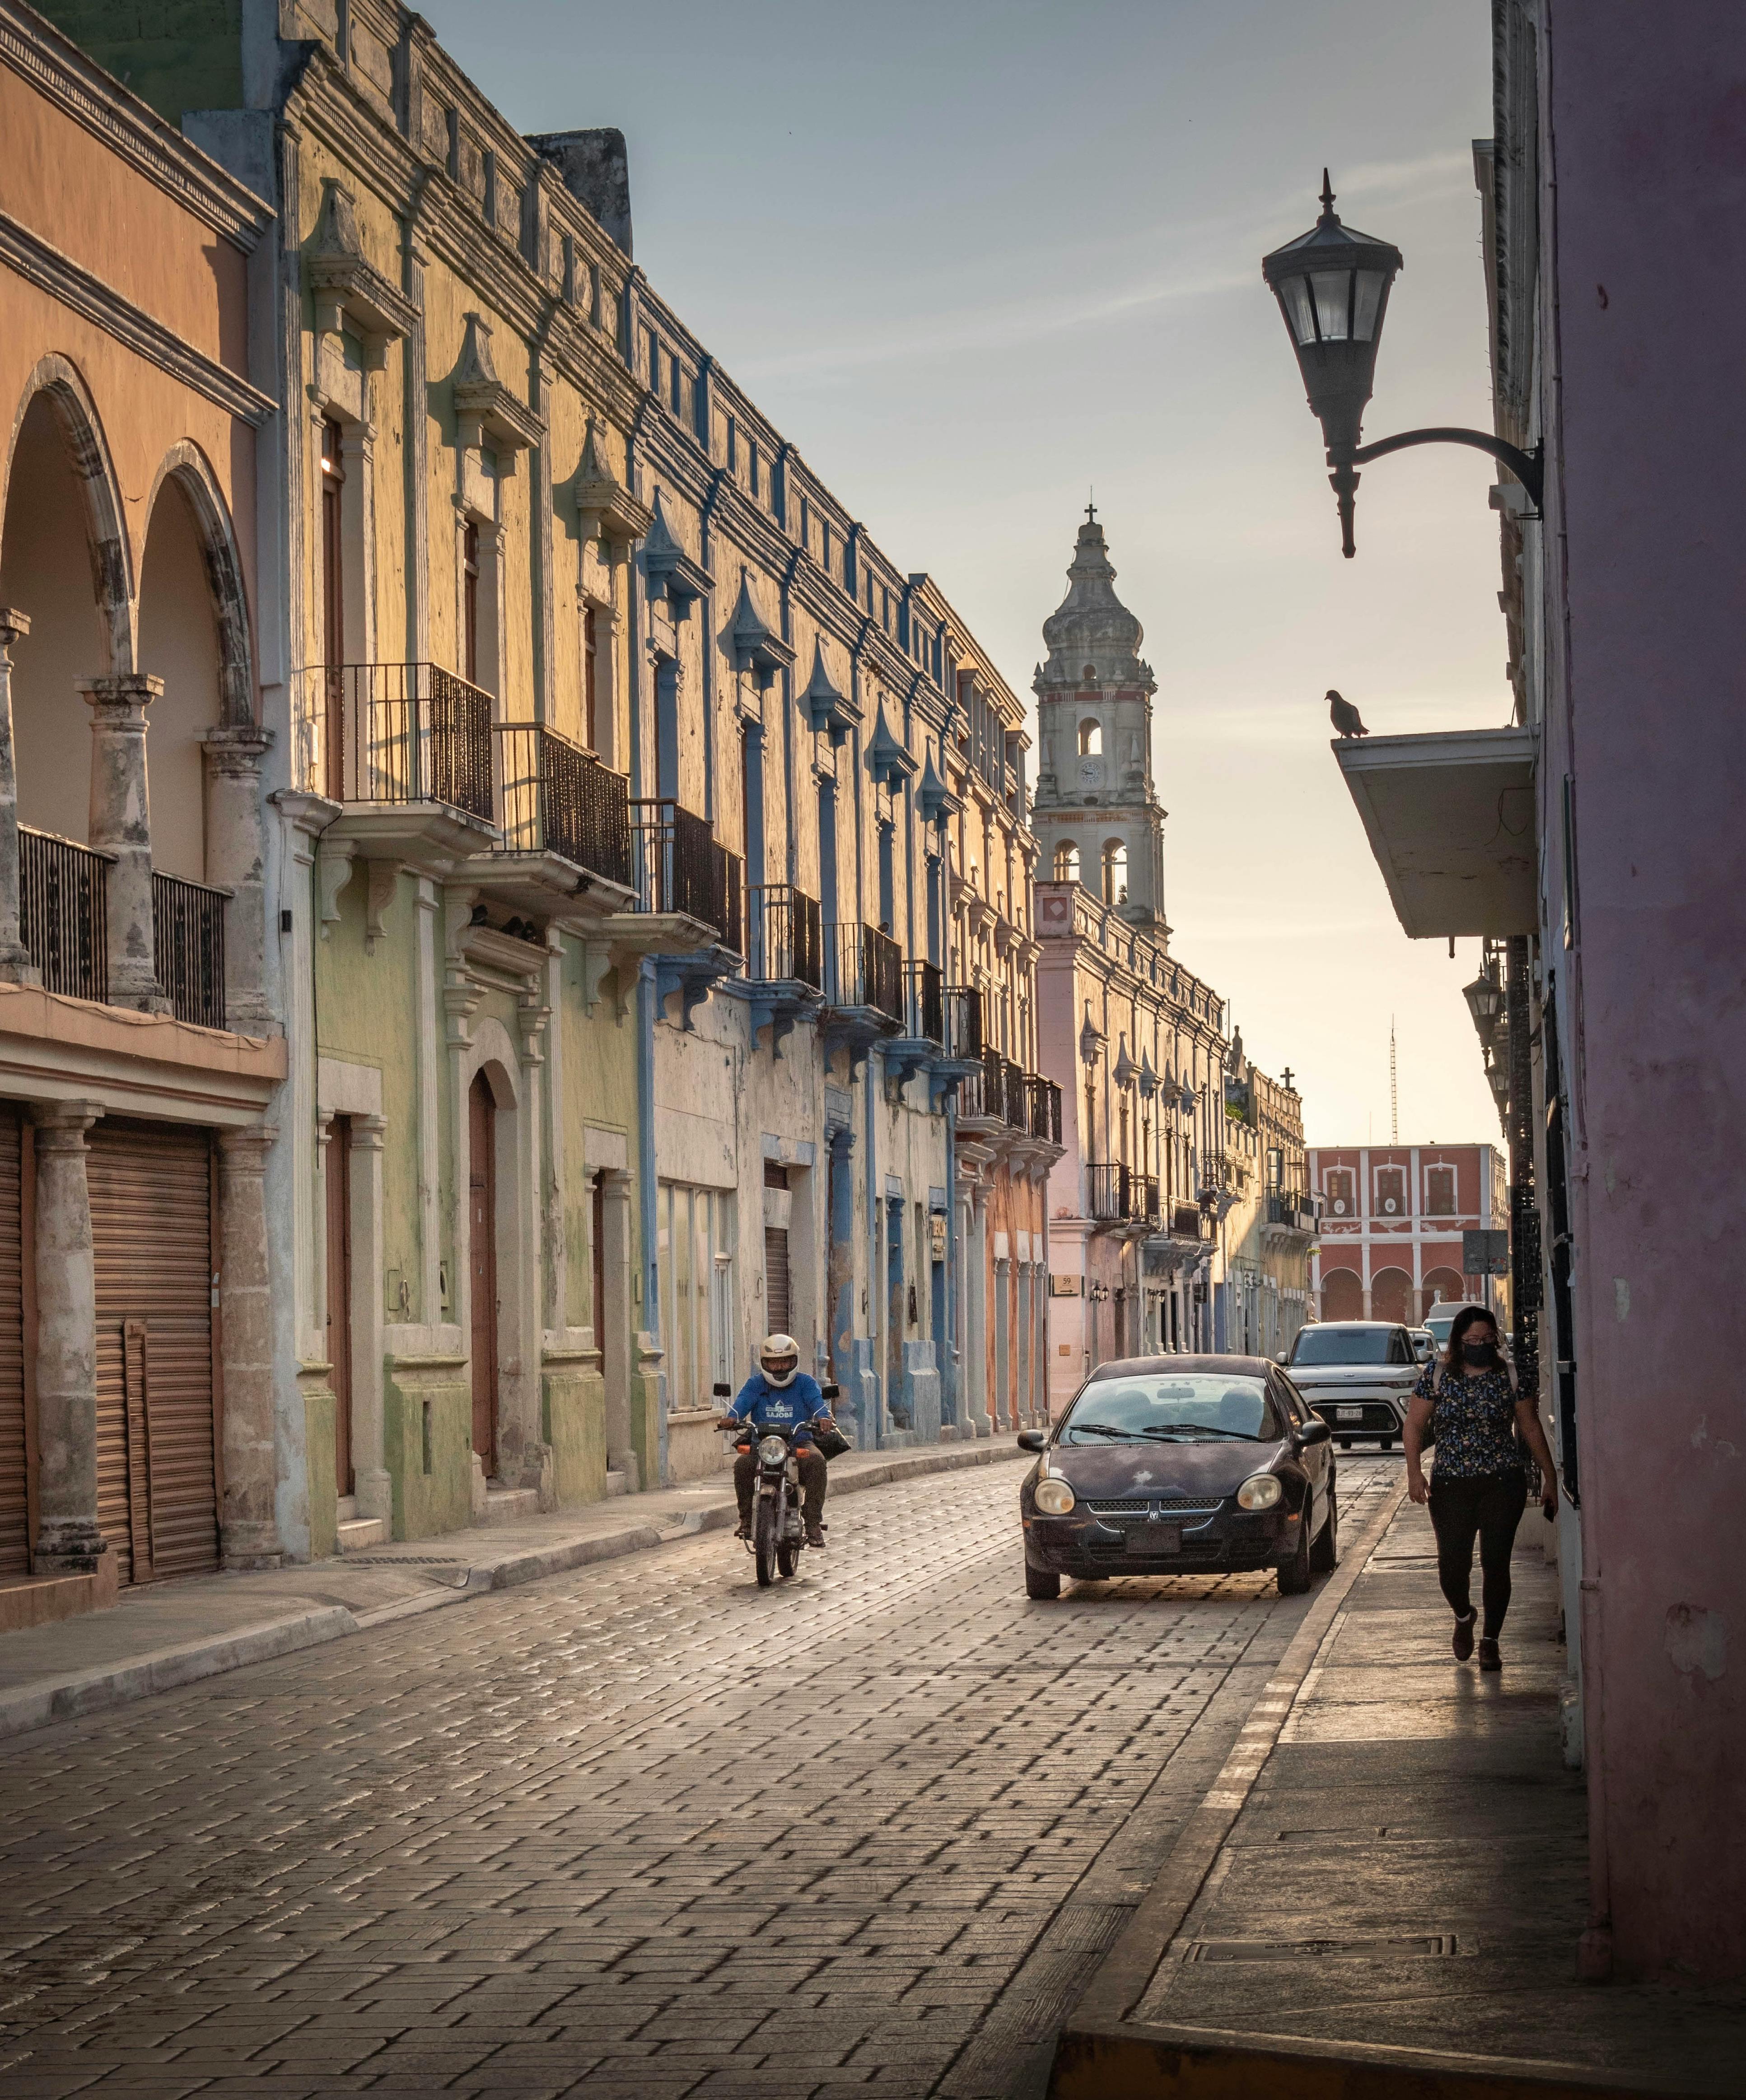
[
  {"x": 1383, "y": 1890},
  {"x": 166, "y": 1633}
]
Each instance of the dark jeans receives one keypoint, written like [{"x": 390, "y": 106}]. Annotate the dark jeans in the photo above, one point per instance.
[
  {"x": 812, "y": 1477},
  {"x": 1490, "y": 1505}
]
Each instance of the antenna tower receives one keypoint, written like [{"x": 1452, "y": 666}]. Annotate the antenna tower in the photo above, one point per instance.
[{"x": 1393, "y": 1088}]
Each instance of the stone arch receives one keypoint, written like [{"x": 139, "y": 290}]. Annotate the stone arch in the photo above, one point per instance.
[
  {"x": 1115, "y": 871},
  {"x": 1067, "y": 861},
  {"x": 1090, "y": 738},
  {"x": 61, "y": 385},
  {"x": 1342, "y": 1295},
  {"x": 492, "y": 1052},
  {"x": 1446, "y": 1286},
  {"x": 188, "y": 467},
  {"x": 1391, "y": 1296}
]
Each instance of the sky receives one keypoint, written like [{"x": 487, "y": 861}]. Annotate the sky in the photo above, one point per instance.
[{"x": 975, "y": 258}]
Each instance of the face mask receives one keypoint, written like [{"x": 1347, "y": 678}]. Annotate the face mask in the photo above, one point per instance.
[{"x": 1480, "y": 1355}]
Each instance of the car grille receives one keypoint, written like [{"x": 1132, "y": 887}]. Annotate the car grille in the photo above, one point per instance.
[{"x": 1140, "y": 1505}]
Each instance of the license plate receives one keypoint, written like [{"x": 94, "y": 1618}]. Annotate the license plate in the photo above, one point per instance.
[
  {"x": 1155, "y": 1538},
  {"x": 1348, "y": 1413}
]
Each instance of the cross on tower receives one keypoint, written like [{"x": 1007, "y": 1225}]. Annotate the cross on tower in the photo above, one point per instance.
[{"x": 1286, "y": 1076}]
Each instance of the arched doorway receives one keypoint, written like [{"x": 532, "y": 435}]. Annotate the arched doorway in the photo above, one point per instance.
[
  {"x": 1444, "y": 1286},
  {"x": 1391, "y": 1296},
  {"x": 178, "y": 642},
  {"x": 1342, "y": 1295}
]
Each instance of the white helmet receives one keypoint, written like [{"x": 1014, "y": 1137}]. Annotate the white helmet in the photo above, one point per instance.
[{"x": 778, "y": 1359}]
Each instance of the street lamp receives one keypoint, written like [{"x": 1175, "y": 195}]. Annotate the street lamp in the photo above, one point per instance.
[
  {"x": 1485, "y": 1001},
  {"x": 1332, "y": 285}
]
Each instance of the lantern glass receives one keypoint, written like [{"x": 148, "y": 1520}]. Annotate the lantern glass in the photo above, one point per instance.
[
  {"x": 1368, "y": 303},
  {"x": 1333, "y": 301},
  {"x": 1300, "y": 314}
]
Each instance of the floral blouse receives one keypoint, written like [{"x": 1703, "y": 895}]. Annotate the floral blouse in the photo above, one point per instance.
[{"x": 1474, "y": 1418}]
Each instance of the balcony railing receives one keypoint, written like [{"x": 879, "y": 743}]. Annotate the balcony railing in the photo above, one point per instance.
[
  {"x": 1291, "y": 1207},
  {"x": 187, "y": 942},
  {"x": 962, "y": 1013},
  {"x": 1005, "y": 1095},
  {"x": 1187, "y": 1221},
  {"x": 1145, "y": 1190},
  {"x": 403, "y": 733},
  {"x": 62, "y": 921},
  {"x": 864, "y": 967},
  {"x": 678, "y": 866},
  {"x": 925, "y": 1001},
  {"x": 558, "y": 798},
  {"x": 784, "y": 936},
  {"x": 1109, "y": 1191},
  {"x": 1044, "y": 1105}
]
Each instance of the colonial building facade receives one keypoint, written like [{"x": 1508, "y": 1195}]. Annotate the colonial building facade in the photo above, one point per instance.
[
  {"x": 1391, "y": 1242},
  {"x": 140, "y": 1059},
  {"x": 1166, "y": 1224}
]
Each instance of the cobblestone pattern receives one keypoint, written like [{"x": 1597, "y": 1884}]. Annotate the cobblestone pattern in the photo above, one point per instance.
[{"x": 639, "y": 1830}]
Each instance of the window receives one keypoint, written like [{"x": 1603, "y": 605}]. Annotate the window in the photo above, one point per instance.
[
  {"x": 1336, "y": 1186},
  {"x": 1066, "y": 862},
  {"x": 1090, "y": 739},
  {"x": 590, "y": 674},
  {"x": 1391, "y": 1192},
  {"x": 1115, "y": 872},
  {"x": 469, "y": 604},
  {"x": 1440, "y": 1192},
  {"x": 333, "y": 600}
]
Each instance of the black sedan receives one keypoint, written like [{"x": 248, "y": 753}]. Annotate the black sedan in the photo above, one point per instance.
[{"x": 1181, "y": 1465}]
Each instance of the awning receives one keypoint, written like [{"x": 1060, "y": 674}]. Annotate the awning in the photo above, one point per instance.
[{"x": 1450, "y": 818}]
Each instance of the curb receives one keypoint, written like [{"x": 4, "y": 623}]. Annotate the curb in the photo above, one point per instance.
[{"x": 164, "y": 1669}]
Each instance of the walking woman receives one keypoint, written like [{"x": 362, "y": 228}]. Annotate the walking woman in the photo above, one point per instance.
[{"x": 1484, "y": 1430}]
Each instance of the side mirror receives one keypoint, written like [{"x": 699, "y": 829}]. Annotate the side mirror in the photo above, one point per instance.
[
  {"x": 1313, "y": 1431},
  {"x": 829, "y": 1391},
  {"x": 1033, "y": 1439},
  {"x": 722, "y": 1392},
  {"x": 1283, "y": 1357}
]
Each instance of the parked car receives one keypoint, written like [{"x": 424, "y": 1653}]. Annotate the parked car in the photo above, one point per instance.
[
  {"x": 1424, "y": 1343},
  {"x": 1441, "y": 1316},
  {"x": 1358, "y": 1376},
  {"x": 1180, "y": 1465}
]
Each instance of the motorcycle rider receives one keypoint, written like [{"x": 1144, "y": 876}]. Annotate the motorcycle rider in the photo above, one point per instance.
[{"x": 778, "y": 1393}]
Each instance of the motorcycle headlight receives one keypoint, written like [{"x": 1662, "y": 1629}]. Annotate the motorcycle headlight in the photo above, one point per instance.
[
  {"x": 1054, "y": 1497},
  {"x": 772, "y": 1450},
  {"x": 1262, "y": 1493}
]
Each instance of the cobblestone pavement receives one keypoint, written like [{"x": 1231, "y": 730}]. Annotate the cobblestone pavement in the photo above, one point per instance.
[{"x": 641, "y": 1829}]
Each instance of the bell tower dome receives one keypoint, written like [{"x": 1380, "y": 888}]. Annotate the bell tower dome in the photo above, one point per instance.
[{"x": 1095, "y": 811}]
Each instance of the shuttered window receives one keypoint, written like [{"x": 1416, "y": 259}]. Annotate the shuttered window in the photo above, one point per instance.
[
  {"x": 14, "y": 1536},
  {"x": 776, "y": 1280},
  {"x": 151, "y": 1200}
]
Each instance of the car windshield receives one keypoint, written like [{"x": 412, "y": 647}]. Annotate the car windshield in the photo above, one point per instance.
[
  {"x": 1341, "y": 1345},
  {"x": 1189, "y": 1408}
]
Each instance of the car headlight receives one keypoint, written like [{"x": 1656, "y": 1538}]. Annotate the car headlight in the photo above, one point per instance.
[
  {"x": 1054, "y": 1497},
  {"x": 772, "y": 1449},
  {"x": 1261, "y": 1493}
]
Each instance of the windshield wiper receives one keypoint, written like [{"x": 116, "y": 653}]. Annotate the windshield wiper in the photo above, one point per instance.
[
  {"x": 1198, "y": 1429},
  {"x": 1104, "y": 1429}
]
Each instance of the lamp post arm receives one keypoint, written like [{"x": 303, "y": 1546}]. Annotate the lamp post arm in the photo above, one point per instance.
[{"x": 1528, "y": 468}]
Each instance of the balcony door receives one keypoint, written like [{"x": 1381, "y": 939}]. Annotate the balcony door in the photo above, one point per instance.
[
  {"x": 482, "y": 1256},
  {"x": 334, "y": 605}
]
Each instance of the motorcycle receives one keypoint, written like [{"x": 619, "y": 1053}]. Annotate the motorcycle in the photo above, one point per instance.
[{"x": 778, "y": 1533}]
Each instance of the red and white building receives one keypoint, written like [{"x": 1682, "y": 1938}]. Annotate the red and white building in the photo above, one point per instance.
[{"x": 1391, "y": 1226}]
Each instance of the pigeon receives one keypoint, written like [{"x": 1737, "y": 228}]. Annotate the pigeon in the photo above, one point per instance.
[{"x": 1344, "y": 716}]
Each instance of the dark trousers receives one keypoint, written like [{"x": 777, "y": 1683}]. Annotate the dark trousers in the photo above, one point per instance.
[
  {"x": 1490, "y": 1505},
  {"x": 812, "y": 1478}
]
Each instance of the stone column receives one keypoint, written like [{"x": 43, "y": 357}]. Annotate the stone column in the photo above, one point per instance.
[
  {"x": 248, "y": 1521},
  {"x": 68, "y": 1541},
  {"x": 612, "y": 1336},
  {"x": 15, "y": 965},
  {"x": 120, "y": 826},
  {"x": 236, "y": 861}
]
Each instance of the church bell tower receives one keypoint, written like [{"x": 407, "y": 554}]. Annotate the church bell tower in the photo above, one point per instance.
[{"x": 1095, "y": 812}]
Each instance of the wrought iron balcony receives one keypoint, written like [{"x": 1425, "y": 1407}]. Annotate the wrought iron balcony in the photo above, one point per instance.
[
  {"x": 1291, "y": 1208},
  {"x": 1145, "y": 1188},
  {"x": 1045, "y": 1103},
  {"x": 1015, "y": 1100},
  {"x": 924, "y": 1001},
  {"x": 680, "y": 867},
  {"x": 403, "y": 733},
  {"x": 557, "y": 798},
  {"x": 64, "y": 922},
  {"x": 187, "y": 942},
  {"x": 784, "y": 936},
  {"x": 863, "y": 968},
  {"x": 1187, "y": 1221},
  {"x": 1109, "y": 1192},
  {"x": 962, "y": 1013}
]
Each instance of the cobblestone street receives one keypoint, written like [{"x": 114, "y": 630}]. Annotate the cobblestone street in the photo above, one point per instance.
[{"x": 642, "y": 1828}]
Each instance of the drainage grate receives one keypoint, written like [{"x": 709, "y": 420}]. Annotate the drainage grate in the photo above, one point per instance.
[
  {"x": 401, "y": 1560},
  {"x": 1424, "y": 1947}
]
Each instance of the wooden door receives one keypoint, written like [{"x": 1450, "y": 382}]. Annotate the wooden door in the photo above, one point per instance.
[
  {"x": 482, "y": 1251},
  {"x": 151, "y": 1202},
  {"x": 15, "y": 1478},
  {"x": 339, "y": 1295}
]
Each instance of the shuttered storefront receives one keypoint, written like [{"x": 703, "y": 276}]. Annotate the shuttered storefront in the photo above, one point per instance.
[
  {"x": 776, "y": 1280},
  {"x": 15, "y": 1539},
  {"x": 151, "y": 1200}
]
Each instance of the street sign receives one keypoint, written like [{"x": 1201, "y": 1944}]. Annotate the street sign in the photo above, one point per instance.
[{"x": 1486, "y": 1253}]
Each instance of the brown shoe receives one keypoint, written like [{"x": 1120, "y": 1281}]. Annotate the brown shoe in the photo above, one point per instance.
[
  {"x": 745, "y": 1527},
  {"x": 1462, "y": 1642},
  {"x": 1489, "y": 1658},
  {"x": 815, "y": 1534}
]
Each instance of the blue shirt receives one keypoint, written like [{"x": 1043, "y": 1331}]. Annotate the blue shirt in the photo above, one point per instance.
[{"x": 782, "y": 1407}]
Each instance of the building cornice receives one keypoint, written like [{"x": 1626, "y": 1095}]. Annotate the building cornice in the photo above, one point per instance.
[{"x": 101, "y": 304}]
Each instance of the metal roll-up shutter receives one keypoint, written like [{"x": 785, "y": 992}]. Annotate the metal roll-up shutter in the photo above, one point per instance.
[
  {"x": 14, "y": 1531},
  {"x": 151, "y": 1199},
  {"x": 776, "y": 1280}
]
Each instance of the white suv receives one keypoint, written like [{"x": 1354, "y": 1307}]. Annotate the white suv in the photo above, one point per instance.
[{"x": 1358, "y": 1376}]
